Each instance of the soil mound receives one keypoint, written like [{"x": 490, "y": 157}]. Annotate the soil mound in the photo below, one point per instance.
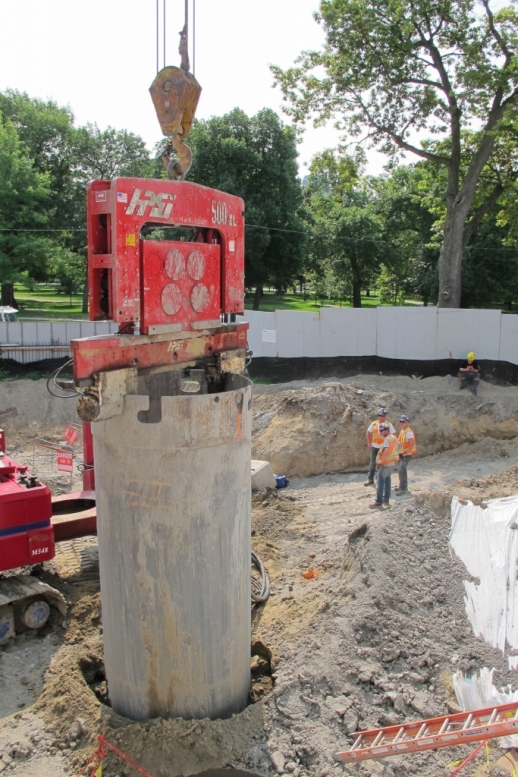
[{"x": 312, "y": 430}]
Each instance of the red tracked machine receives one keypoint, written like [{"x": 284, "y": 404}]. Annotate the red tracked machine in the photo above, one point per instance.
[{"x": 31, "y": 522}]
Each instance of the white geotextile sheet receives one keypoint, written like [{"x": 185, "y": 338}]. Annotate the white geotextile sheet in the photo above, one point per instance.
[
  {"x": 486, "y": 542},
  {"x": 477, "y": 691}
]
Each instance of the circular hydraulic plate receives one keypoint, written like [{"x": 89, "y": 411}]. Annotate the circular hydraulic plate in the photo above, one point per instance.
[
  {"x": 154, "y": 265},
  {"x": 200, "y": 298},
  {"x": 171, "y": 299},
  {"x": 175, "y": 264},
  {"x": 36, "y": 614},
  {"x": 196, "y": 265}
]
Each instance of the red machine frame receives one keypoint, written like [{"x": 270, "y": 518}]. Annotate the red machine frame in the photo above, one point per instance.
[
  {"x": 174, "y": 300},
  {"x": 149, "y": 283}
]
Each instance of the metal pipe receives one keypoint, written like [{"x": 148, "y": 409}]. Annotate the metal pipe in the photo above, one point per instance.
[{"x": 173, "y": 506}]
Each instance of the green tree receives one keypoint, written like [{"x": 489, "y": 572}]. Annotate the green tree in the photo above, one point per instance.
[
  {"x": 346, "y": 228},
  {"x": 110, "y": 153},
  {"x": 24, "y": 194},
  {"x": 256, "y": 158},
  {"x": 395, "y": 69},
  {"x": 490, "y": 269},
  {"x": 410, "y": 256},
  {"x": 48, "y": 136},
  {"x": 70, "y": 157}
]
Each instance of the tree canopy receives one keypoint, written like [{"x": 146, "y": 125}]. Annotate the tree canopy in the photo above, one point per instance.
[
  {"x": 339, "y": 234},
  {"x": 24, "y": 198},
  {"x": 346, "y": 231},
  {"x": 65, "y": 158},
  {"x": 393, "y": 71},
  {"x": 256, "y": 158}
]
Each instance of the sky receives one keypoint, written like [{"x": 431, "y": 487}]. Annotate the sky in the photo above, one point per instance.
[{"x": 99, "y": 57}]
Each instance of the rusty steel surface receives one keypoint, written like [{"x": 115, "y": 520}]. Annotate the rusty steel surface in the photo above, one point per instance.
[
  {"x": 110, "y": 352},
  {"x": 175, "y": 95},
  {"x": 173, "y": 503},
  {"x": 139, "y": 282},
  {"x": 74, "y": 515}
]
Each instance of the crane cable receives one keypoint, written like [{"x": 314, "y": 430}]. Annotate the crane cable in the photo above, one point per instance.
[{"x": 164, "y": 32}]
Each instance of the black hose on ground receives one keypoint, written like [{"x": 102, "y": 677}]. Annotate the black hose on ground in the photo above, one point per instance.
[{"x": 260, "y": 588}]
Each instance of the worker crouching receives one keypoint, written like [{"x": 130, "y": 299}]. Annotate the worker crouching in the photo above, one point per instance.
[
  {"x": 386, "y": 461},
  {"x": 407, "y": 449},
  {"x": 469, "y": 373}
]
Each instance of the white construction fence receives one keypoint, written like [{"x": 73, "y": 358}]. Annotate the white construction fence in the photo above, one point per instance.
[
  {"x": 31, "y": 341},
  {"x": 416, "y": 333}
]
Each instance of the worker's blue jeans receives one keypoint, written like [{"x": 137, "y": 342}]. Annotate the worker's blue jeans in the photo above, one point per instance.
[
  {"x": 403, "y": 472},
  {"x": 384, "y": 483},
  {"x": 372, "y": 462}
]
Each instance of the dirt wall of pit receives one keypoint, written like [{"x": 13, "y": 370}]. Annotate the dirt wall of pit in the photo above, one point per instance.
[
  {"x": 316, "y": 428},
  {"x": 26, "y": 405}
]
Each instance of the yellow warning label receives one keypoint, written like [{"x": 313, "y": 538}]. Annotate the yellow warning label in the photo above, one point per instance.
[{"x": 131, "y": 239}]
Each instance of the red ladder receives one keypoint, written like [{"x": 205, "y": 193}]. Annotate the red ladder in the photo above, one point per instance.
[{"x": 448, "y": 731}]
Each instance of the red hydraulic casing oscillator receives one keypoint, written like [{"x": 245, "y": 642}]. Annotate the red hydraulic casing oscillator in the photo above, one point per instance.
[{"x": 136, "y": 275}]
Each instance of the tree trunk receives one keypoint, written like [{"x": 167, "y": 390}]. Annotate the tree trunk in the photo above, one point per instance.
[
  {"x": 357, "y": 282},
  {"x": 450, "y": 258},
  {"x": 8, "y": 295},
  {"x": 458, "y": 204},
  {"x": 357, "y": 294},
  {"x": 257, "y": 296}
]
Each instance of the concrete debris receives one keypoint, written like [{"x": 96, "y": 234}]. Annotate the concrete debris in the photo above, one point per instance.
[{"x": 262, "y": 476}]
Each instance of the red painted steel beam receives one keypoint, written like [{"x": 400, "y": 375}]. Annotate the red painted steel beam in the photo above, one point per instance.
[{"x": 98, "y": 354}]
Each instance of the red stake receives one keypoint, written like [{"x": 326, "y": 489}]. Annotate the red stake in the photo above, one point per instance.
[{"x": 468, "y": 759}]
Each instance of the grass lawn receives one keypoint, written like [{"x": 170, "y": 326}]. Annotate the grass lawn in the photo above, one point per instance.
[
  {"x": 271, "y": 302},
  {"x": 46, "y": 304}
]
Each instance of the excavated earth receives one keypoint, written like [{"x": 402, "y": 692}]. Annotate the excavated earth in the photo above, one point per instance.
[
  {"x": 371, "y": 639},
  {"x": 320, "y": 427}
]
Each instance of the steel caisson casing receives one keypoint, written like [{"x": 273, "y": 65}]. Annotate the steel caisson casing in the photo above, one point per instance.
[{"x": 173, "y": 506}]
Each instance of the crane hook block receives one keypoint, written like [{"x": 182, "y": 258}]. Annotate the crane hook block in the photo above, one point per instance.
[{"x": 175, "y": 95}]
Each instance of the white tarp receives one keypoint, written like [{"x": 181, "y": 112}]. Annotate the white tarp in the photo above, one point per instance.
[
  {"x": 486, "y": 541},
  {"x": 477, "y": 691}
]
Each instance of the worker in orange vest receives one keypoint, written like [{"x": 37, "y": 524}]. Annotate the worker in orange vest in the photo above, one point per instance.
[
  {"x": 387, "y": 459},
  {"x": 375, "y": 441},
  {"x": 407, "y": 449}
]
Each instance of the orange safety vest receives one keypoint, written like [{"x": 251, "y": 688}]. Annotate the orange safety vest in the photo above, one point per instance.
[
  {"x": 377, "y": 437},
  {"x": 407, "y": 447},
  {"x": 390, "y": 454}
]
